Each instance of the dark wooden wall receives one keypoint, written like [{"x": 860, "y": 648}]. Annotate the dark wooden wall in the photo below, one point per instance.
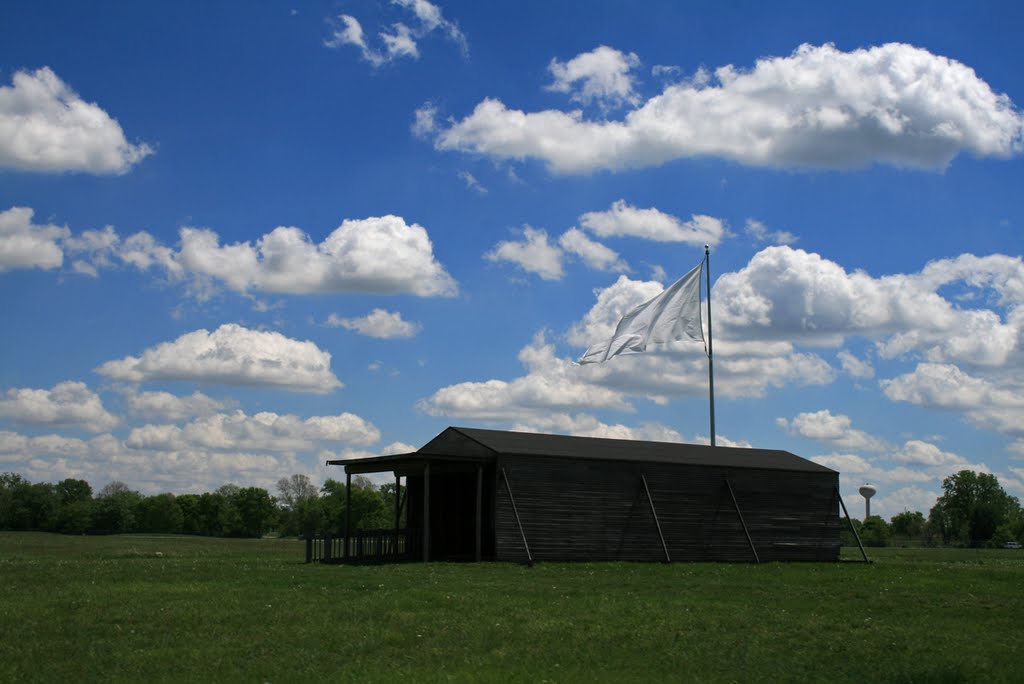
[{"x": 597, "y": 510}]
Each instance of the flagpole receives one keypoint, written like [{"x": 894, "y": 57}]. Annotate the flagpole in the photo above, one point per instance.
[{"x": 711, "y": 367}]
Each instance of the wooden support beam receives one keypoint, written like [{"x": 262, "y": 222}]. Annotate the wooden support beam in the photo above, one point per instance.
[
  {"x": 852, "y": 528},
  {"x": 398, "y": 512},
  {"x": 515, "y": 511},
  {"x": 742, "y": 522},
  {"x": 657, "y": 524},
  {"x": 348, "y": 512}
]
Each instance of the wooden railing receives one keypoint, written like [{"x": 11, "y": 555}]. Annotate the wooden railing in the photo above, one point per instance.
[{"x": 364, "y": 546}]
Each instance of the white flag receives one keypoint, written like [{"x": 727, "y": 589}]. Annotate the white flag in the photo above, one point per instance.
[{"x": 672, "y": 315}]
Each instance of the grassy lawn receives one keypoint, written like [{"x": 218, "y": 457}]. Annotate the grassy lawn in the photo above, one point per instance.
[{"x": 183, "y": 608}]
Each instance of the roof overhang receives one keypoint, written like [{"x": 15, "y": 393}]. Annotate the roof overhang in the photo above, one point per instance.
[{"x": 410, "y": 464}]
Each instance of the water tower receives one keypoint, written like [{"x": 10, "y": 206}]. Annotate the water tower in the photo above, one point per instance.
[{"x": 867, "y": 491}]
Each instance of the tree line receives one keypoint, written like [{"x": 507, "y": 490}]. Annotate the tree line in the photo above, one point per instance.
[
  {"x": 974, "y": 510},
  {"x": 71, "y": 507}
]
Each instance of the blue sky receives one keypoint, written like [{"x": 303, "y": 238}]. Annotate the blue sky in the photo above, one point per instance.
[{"x": 239, "y": 238}]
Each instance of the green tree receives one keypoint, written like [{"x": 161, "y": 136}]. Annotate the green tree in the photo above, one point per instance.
[
  {"x": 76, "y": 517},
  {"x": 11, "y": 499},
  {"x": 295, "y": 495},
  {"x": 160, "y": 513},
  {"x": 116, "y": 508},
  {"x": 908, "y": 525},
  {"x": 191, "y": 516},
  {"x": 874, "y": 531},
  {"x": 369, "y": 509},
  {"x": 255, "y": 510},
  {"x": 215, "y": 513},
  {"x": 972, "y": 508}
]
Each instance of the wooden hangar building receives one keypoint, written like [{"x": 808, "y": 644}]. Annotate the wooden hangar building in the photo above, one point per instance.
[{"x": 472, "y": 494}]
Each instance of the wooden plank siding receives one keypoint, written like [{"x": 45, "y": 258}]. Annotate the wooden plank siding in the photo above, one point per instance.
[{"x": 597, "y": 510}]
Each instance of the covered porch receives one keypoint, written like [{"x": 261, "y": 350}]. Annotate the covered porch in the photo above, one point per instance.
[{"x": 448, "y": 503}]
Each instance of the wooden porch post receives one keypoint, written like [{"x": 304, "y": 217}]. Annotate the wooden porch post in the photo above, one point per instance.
[
  {"x": 479, "y": 510},
  {"x": 426, "y": 512},
  {"x": 398, "y": 509},
  {"x": 348, "y": 511}
]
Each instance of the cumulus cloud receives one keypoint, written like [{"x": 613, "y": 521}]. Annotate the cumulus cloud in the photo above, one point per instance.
[
  {"x": 46, "y": 127},
  {"x": 552, "y": 384},
  {"x": 855, "y": 367},
  {"x": 400, "y": 39},
  {"x": 265, "y": 431},
  {"x": 793, "y": 294},
  {"x": 67, "y": 403},
  {"x": 231, "y": 355},
  {"x": 533, "y": 254},
  {"x": 378, "y": 323},
  {"x": 900, "y": 474},
  {"x": 837, "y": 430},
  {"x": 24, "y": 244},
  {"x": 742, "y": 368},
  {"x": 601, "y": 76},
  {"x": 593, "y": 254},
  {"x": 382, "y": 254},
  {"x": 50, "y": 458},
  {"x": 167, "y": 406},
  {"x": 996, "y": 404},
  {"x": 623, "y": 219},
  {"x": 819, "y": 107}
]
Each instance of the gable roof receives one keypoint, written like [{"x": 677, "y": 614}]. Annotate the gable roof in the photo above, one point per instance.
[{"x": 475, "y": 444}]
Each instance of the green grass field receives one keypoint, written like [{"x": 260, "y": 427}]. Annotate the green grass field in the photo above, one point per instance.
[{"x": 133, "y": 608}]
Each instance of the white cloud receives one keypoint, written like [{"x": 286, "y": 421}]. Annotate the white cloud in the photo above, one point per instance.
[
  {"x": 24, "y": 244},
  {"x": 167, "y": 406},
  {"x": 533, "y": 254},
  {"x": 819, "y": 107},
  {"x": 601, "y": 76},
  {"x": 857, "y": 368},
  {"x": 378, "y": 323},
  {"x": 45, "y": 126},
  {"x": 652, "y": 224},
  {"x": 431, "y": 18},
  {"x": 472, "y": 183},
  {"x": 792, "y": 294},
  {"x": 594, "y": 254},
  {"x": 383, "y": 255},
  {"x": 424, "y": 120},
  {"x": 552, "y": 384},
  {"x": 142, "y": 251},
  {"x": 837, "y": 430},
  {"x": 67, "y": 403},
  {"x": 995, "y": 404},
  {"x": 917, "y": 452},
  {"x": 742, "y": 368},
  {"x": 586, "y": 425},
  {"x": 16, "y": 448},
  {"x": 265, "y": 431},
  {"x": 104, "y": 458},
  {"x": 759, "y": 231},
  {"x": 400, "y": 39},
  {"x": 231, "y": 355},
  {"x": 98, "y": 246}
]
